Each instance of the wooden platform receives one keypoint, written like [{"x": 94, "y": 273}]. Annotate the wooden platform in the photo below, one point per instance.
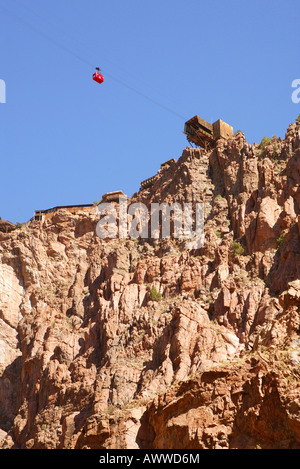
[
  {"x": 204, "y": 134},
  {"x": 199, "y": 132}
]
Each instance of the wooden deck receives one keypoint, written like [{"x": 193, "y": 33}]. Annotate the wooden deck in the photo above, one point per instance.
[{"x": 204, "y": 134}]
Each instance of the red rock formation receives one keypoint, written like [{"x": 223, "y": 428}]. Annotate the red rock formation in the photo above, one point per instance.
[{"x": 88, "y": 360}]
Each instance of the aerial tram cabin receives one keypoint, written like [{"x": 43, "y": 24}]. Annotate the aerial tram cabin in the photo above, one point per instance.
[{"x": 98, "y": 77}]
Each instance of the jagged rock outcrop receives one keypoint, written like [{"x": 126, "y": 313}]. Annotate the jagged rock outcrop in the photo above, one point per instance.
[
  {"x": 245, "y": 405},
  {"x": 88, "y": 359}
]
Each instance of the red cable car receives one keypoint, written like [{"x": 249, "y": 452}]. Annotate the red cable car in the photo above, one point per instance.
[{"x": 98, "y": 77}]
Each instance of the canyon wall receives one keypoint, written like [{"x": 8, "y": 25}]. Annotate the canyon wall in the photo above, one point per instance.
[{"x": 89, "y": 358}]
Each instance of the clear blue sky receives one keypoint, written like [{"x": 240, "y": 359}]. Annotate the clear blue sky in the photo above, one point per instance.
[{"x": 66, "y": 140}]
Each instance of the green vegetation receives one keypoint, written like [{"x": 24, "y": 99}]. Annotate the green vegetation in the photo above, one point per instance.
[
  {"x": 280, "y": 240},
  {"x": 275, "y": 154},
  {"x": 96, "y": 202},
  {"x": 19, "y": 225},
  {"x": 298, "y": 118},
  {"x": 219, "y": 196},
  {"x": 265, "y": 141},
  {"x": 154, "y": 295},
  {"x": 237, "y": 249},
  {"x": 218, "y": 233}
]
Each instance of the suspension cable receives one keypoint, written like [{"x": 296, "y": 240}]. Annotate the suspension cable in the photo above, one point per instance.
[
  {"x": 87, "y": 48},
  {"x": 83, "y": 60}
]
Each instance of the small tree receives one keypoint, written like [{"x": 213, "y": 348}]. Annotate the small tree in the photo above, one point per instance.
[
  {"x": 298, "y": 118},
  {"x": 265, "y": 141}
]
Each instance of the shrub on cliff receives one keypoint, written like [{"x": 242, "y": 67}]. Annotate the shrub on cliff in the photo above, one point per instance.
[
  {"x": 237, "y": 249},
  {"x": 154, "y": 295},
  {"x": 280, "y": 240}
]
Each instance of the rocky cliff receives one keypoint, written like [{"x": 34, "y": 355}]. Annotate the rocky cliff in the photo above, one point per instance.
[{"x": 90, "y": 359}]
